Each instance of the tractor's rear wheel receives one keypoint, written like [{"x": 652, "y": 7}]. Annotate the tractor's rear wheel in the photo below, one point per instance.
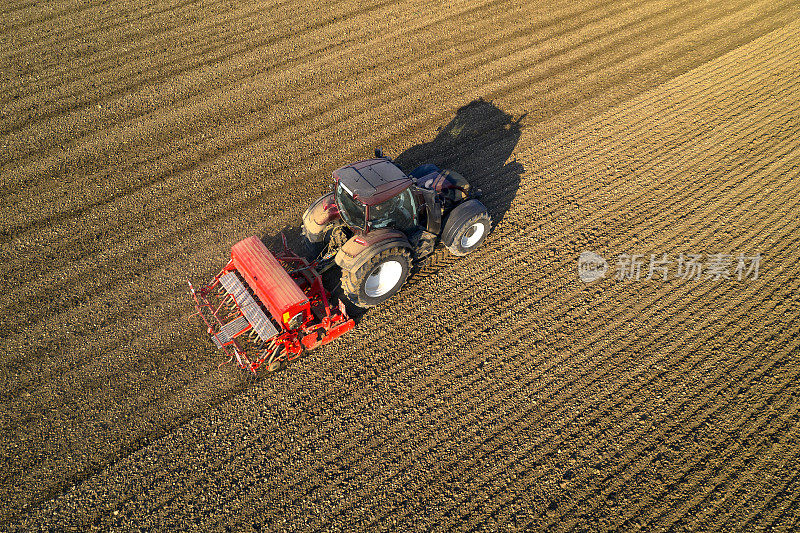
[
  {"x": 466, "y": 228},
  {"x": 379, "y": 278}
]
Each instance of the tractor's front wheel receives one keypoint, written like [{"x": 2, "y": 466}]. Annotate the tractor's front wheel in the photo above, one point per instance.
[
  {"x": 379, "y": 278},
  {"x": 466, "y": 227}
]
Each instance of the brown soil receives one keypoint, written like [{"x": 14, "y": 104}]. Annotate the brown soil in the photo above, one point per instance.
[{"x": 140, "y": 140}]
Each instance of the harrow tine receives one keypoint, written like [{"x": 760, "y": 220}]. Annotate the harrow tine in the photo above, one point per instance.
[{"x": 230, "y": 359}]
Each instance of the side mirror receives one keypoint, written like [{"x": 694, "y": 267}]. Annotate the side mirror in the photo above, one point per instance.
[{"x": 378, "y": 152}]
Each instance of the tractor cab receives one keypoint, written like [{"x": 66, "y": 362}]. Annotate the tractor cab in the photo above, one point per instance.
[
  {"x": 378, "y": 220},
  {"x": 375, "y": 194}
]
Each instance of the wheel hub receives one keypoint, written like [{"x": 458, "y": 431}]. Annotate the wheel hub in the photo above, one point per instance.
[
  {"x": 472, "y": 235},
  {"x": 383, "y": 278}
]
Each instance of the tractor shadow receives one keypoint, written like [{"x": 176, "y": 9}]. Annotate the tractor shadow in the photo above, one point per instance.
[{"x": 478, "y": 143}]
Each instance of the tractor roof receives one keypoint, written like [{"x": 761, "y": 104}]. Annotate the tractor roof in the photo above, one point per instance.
[{"x": 372, "y": 181}]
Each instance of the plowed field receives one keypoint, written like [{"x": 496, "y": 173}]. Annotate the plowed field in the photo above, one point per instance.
[{"x": 140, "y": 139}]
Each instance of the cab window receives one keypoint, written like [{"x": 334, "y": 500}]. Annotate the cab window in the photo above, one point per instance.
[
  {"x": 351, "y": 209},
  {"x": 397, "y": 212}
]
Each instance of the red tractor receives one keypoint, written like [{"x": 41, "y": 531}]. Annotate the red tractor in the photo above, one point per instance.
[
  {"x": 265, "y": 309},
  {"x": 378, "y": 221}
]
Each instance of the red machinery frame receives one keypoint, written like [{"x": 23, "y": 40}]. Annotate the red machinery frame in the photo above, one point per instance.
[{"x": 290, "y": 290}]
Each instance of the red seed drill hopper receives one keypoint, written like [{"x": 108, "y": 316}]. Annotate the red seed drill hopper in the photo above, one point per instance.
[{"x": 268, "y": 309}]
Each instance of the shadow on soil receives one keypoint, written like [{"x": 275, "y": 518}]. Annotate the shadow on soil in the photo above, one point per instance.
[{"x": 477, "y": 143}]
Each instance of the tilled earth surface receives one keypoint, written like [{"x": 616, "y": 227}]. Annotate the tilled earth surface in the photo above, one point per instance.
[{"x": 141, "y": 139}]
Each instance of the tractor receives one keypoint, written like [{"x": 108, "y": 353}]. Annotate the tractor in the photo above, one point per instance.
[{"x": 378, "y": 222}]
